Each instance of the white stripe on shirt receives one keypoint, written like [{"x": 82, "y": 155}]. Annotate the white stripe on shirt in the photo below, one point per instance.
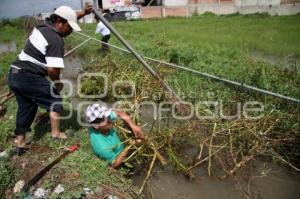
[
  {"x": 25, "y": 57},
  {"x": 55, "y": 62},
  {"x": 38, "y": 41}
]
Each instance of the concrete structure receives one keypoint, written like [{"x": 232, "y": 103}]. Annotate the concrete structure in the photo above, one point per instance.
[
  {"x": 273, "y": 7},
  {"x": 190, "y": 7},
  {"x": 175, "y": 2}
]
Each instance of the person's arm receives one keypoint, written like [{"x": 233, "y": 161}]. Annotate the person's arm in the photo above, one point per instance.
[
  {"x": 119, "y": 159},
  {"x": 54, "y": 60},
  {"x": 88, "y": 8},
  {"x": 138, "y": 132},
  {"x": 54, "y": 75}
]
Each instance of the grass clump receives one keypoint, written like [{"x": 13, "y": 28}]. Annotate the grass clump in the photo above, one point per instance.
[{"x": 8, "y": 176}]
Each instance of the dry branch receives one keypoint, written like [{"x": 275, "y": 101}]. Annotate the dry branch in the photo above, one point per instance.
[
  {"x": 205, "y": 159},
  {"x": 6, "y": 97},
  {"x": 284, "y": 161},
  {"x": 209, "y": 150},
  {"x": 148, "y": 173}
]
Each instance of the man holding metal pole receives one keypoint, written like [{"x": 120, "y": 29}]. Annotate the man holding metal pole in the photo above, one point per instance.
[{"x": 42, "y": 56}]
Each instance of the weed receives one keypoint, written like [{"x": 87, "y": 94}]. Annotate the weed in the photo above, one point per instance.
[{"x": 8, "y": 176}]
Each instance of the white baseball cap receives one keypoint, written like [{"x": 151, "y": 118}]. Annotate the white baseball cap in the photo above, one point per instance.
[
  {"x": 68, "y": 14},
  {"x": 96, "y": 111}
]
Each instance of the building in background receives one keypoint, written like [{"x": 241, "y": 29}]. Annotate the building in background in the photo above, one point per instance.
[
  {"x": 186, "y": 8},
  {"x": 136, "y": 9},
  {"x": 189, "y": 7}
]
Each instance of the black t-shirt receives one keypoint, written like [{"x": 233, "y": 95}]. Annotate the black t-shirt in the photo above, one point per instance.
[{"x": 44, "y": 48}]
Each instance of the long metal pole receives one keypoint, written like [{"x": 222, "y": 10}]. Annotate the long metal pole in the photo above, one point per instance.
[
  {"x": 213, "y": 77},
  {"x": 79, "y": 45},
  {"x": 138, "y": 57}
]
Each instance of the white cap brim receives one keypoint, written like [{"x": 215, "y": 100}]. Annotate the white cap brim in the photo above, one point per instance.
[
  {"x": 106, "y": 115},
  {"x": 107, "y": 112},
  {"x": 74, "y": 26}
]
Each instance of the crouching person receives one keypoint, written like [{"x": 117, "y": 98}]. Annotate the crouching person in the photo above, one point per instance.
[{"x": 104, "y": 139}]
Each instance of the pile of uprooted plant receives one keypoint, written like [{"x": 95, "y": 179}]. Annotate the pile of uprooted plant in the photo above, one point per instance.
[{"x": 224, "y": 146}]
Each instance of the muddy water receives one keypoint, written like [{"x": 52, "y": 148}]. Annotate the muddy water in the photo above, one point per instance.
[
  {"x": 270, "y": 59},
  {"x": 167, "y": 185},
  {"x": 70, "y": 73},
  {"x": 261, "y": 180},
  {"x": 8, "y": 47},
  {"x": 72, "y": 67},
  {"x": 277, "y": 183},
  {"x": 288, "y": 62}
]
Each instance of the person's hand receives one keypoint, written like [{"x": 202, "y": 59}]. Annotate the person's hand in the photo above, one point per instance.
[
  {"x": 59, "y": 86},
  {"x": 132, "y": 142},
  {"x": 88, "y": 8},
  {"x": 138, "y": 132}
]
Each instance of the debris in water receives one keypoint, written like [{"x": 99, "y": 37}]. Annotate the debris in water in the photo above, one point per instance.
[
  {"x": 40, "y": 193},
  {"x": 87, "y": 191},
  {"x": 4, "y": 154},
  {"x": 18, "y": 186},
  {"x": 59, "y": 189},
  {"x": 111, "y": 197},
  {"x": 29, "y": 197}
]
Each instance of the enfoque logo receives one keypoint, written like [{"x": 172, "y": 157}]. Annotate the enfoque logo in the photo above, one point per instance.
[{"x": 202, "y": 110}]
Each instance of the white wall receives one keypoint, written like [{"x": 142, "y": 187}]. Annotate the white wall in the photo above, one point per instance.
[
  {"x": 286, "y": 9},
  {"x": 245, "y": 3},
  {"x": 272, "y": 7},
  {"x": 214, "y": 8},
  {"x": 175, "y": 2}
]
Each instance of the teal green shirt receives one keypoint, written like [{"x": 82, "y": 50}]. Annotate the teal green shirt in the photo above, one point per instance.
[{"x": 108, "y": 146}]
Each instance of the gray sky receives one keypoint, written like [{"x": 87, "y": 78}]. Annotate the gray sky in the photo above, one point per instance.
[{"x": 17, "y": 8}]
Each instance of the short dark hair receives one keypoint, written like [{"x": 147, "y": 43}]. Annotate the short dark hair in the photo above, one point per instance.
[
  {"x": 54, "y": 18},
  {"x": 97, "y": 120}
]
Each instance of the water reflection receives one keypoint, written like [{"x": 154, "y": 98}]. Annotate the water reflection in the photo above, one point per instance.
[{"x": 8, "y": 47}]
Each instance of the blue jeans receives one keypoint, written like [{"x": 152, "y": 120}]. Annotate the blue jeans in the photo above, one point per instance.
[{"x": 31, "y": 90}]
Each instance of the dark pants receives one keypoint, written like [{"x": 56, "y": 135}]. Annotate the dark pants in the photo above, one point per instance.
[
  {"x": 105, "y": 39},
  {"x": 31, "y": 90}
]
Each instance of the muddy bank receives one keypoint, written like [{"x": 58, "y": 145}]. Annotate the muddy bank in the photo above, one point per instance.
[
  {"x": 287, "y": 63},
  {"x": 8, "y": 47}
]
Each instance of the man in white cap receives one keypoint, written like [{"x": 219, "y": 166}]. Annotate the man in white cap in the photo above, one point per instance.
[
  {"x": 42, "y": 56},
  {"x": 104, "y": 139}
]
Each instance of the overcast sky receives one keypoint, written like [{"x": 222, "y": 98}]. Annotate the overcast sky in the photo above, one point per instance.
[{"x": 17, "y": 8}]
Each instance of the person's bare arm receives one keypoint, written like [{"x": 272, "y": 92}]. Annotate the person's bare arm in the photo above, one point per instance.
[
  {"x": 120, "y": 158},
  {"x": 88, "y": 8},
  {"x": 54, "y": 75},
  {"x": 138, "y": 132},
  {"x": 116, "y": 163}
]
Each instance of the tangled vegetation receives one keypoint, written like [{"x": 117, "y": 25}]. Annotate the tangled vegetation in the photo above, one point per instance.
[
  {"x": 269, "y": 61},
  {"x": 223, "y": 144}
]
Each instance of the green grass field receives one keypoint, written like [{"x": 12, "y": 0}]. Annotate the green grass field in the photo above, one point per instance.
[
  {"x": 278, "y": 36},
  {"x": 259, "y": 50}
]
